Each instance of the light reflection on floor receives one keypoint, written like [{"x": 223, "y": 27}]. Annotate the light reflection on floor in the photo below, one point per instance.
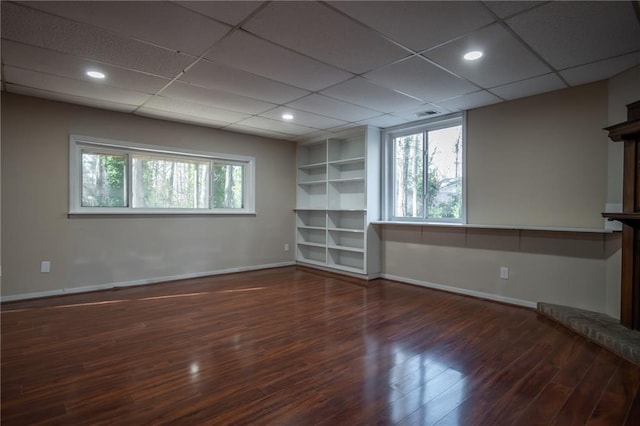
[
  {"x": 427, "y": 385},
  {"x": 109, "y": 302}
]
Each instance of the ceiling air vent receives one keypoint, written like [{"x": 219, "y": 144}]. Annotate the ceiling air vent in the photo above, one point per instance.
[{"x": 426, "y": 113}]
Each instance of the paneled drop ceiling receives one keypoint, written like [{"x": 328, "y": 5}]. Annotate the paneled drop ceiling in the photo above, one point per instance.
[{"x": 241, "y": 65}]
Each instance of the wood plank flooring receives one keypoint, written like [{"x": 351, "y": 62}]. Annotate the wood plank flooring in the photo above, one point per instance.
[{"x": 290, "y": 347}]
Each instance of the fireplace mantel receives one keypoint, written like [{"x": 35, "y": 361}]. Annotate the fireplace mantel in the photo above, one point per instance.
[{"x": 629, "y": 133}]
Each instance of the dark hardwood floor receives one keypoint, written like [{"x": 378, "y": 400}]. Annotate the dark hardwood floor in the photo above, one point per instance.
[{"x": 287, "y": 346}]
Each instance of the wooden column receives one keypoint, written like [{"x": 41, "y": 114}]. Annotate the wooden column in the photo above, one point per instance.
[{"x": 629, "y": 133}]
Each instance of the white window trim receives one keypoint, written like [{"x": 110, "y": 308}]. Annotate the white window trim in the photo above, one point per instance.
[
  {"x": 388, "y": 165},
  {"x": 78, "y": 142}
]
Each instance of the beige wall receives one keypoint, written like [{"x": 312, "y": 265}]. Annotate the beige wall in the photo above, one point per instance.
[
  {"x": 90, "y": 251},
  {"x": 538, "y": 161},
  {"x": 556, "y": 267}
]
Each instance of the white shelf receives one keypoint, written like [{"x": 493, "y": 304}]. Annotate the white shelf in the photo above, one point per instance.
[
  {"x": 356, "y": 160},
  {"x": 310, "y": 253},
  {"x": 477, "y": 226},
  {"x": 346, "y": 180},
  {"x": 312, "y": 155},
  {"x": 346, "y": 220},
  {"x": 311, "y": 219},
  {"x": 355, "y": 230},
  {"x": 338, "y": 186},
  {"x": 313, "y": 196},
  {"x": 312, "y": 237},
  {"x": 320, "y": 228},
  {"x": 310, "y": 244},
  {"x": 346, "y": 248},
  {"x": 313, "y": 182},
  {"x": 346, "y": 148},
  {"x": 310, "y": 175},
  {"x": 312, "y": 166},
  {"x": 358, "y": 271},
  {"x": 346, "y": 258},
  {"x": 312, "y": 262},
  {"x": 346, "y": 240}
]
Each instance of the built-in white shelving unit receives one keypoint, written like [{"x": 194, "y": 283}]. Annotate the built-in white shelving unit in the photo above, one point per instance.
[{"x": 338, "y": 196}]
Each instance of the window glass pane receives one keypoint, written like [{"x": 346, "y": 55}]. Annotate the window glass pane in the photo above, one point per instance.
[
  {"x": 444, "y": 193},
  {"x": 228, "y": 186},
  {"x": 162, "y": 182},
  {"x": 409, "y": 173},
  {"x": 103, "y": 180}
]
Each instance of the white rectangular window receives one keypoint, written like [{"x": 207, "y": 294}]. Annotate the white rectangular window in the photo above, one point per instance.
[
  {"x": 109, "y": 176},
  {"x": 424, "y": 171}
]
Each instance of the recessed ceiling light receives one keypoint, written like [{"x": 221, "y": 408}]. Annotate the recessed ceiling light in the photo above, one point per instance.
[
  {"x": 287, "y": 116},
  {"x": 96, "y": 74},
  {"x": 473, "y": 55}
]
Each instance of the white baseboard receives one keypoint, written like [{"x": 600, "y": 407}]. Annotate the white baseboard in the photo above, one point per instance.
[
  {"x": 479, "y": 294},
  {"x": 367, "y": 277},
  {"x": 156, "y": 280},
  {"x": 32, "y": 295}
]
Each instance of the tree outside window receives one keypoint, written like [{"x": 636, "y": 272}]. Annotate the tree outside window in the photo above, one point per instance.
[{"x": 427, "y": 169}]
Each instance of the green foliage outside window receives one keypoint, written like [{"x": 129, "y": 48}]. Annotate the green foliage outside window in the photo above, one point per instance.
[
  {"x": 160, "y": 182},
  {"x": 227, "y": 186},
  {"x": 442, "y": 173},
  {"x": 103, "y": 180}
]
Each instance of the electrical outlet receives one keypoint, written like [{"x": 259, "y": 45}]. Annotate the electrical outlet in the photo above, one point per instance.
[
  {"x": 45, "y": 266},
  {"x": 504, "y": 272},
  {"x": 286, "y": 247}
]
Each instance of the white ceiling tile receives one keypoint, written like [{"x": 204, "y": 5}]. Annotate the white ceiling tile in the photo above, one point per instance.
[
  {"x": 259, "y": 132},
  {"x": 216, "y": 76},
  {"x": 532, "y": 86},
  {"x": 383, "y": 121},
  {"x": 340, "y": 130},
  {"x": 363, "y": 92},
  {"x": 276, "y": 126},
  {"x": 505, "y": 59},
  {"x": 320, "y": 135},
  {"x": 231, "y": 12},
  {"x": 505, "y": 9},
  {"x": 43, "y": 30},
  {"x": 421, "y": 79},
  {"x": 50, "y": 62},
  {"x": 303, "y": 118},
  {"x": 572, "y": 33},
  {"x": 330, "y": 107},
  {"x": 161, "y": 23},
  {"x": 193, "y": 109},
  {"x": 94, "y": 89},
  {"x": 418, "y": 24},
  {"x": 473, "y": 100},
  {"x": 602, "y": 69},
  {"x": 288, "y": 49},
  {"x": 181, "y": 118},
  {"x": 263, "y": 58},
  {"x": 216, "y": 98},
  {"x": 63, "y": 97},
  {"x": 317, "y": 31}
]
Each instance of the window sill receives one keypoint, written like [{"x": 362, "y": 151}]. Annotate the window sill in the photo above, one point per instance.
[
  {"x": 147, "y": 213},
  {"x": 512, "y": 227}
]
